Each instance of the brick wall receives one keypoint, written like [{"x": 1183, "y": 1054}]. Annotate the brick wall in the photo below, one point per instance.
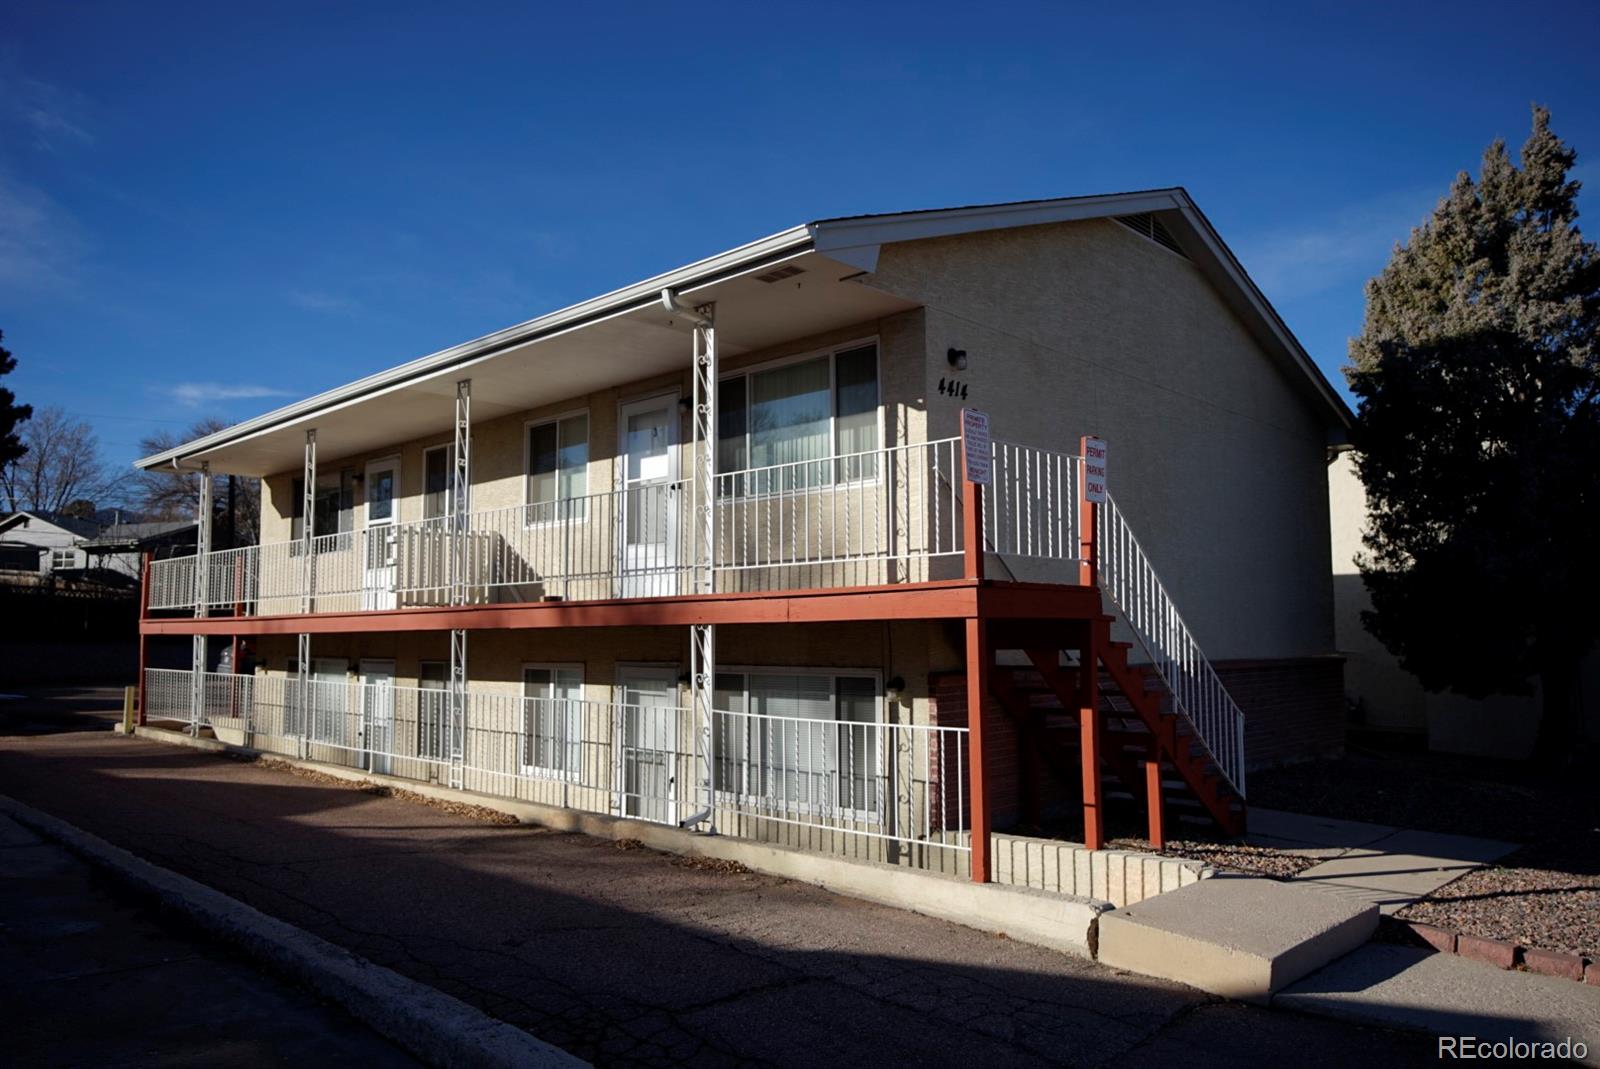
[{"x": 1294, "y": 709}]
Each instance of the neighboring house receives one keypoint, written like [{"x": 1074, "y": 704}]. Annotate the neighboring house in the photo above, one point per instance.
[
  {"x": 783, "y": 633},
  {"x": 1385, "y": 699},
  {"x": 121, "y": 547},
  {"x": 35, "y": 545}
]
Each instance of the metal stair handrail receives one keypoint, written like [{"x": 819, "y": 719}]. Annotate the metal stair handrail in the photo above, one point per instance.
[{"x": 1128, "y": 578}]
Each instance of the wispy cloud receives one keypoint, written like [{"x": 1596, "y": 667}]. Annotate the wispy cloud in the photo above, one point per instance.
[
  {"x": 57, "y": 117},
  {"x": 195, "y": 394},
  {"x": 1348, "y": 243},
  {"x": 317, "y": 301},
  {"x": 41, "y": 244}
]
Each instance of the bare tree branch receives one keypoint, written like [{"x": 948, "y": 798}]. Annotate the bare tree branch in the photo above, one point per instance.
[{"x": 62, "y": 466}]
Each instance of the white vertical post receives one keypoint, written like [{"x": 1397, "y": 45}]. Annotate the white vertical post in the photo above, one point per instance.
[
  {"x": 460, "y": 562},
  {"x": 703, "y": 637},
  {"x": 461, "y": 495},
  {"x": 303, "y": 689},
  {"x": 458, "y": 707},
  {"x": 308, "y": 581},
  {"x": 202, "y": 567},
  {"x": 308, "y": 511}
]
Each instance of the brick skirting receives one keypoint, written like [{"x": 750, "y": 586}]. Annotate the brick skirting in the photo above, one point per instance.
[
  {"x": 1294, "y": 711},
  {"x": 1293, "y": 708}
]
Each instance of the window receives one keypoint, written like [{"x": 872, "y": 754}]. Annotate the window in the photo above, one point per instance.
[
  {"x": 433, "y": 710},
  {"x": 804, "y": 410},
  {"x": 63, "y": 558},
  {"x": 436, "y": 482},
  {"x": 19, "y": 558},
  {"x": 552, "y": 720},
  {"x": 380, "y": 494},
  {"x": 558, "y": 465},
  {"x": 800, "y": 740},
  {"x": 335, "y": 505}
]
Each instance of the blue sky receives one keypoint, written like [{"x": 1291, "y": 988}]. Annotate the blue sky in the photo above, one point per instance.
[{"x": 208, "y": 210}]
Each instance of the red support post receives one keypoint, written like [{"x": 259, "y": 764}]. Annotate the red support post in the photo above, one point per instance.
[
  {"x": 978, "y": 656},
  {"x": 1088, "y": 539},
  {"x": 1094, "y": 836},
  {"x": 1152, "y": 801},
  {"x": 972, "y": 530},
  {"x": 144, "y": 640}
]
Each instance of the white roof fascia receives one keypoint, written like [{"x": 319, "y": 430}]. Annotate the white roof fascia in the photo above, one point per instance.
[
  {"x": 702, "y": 272},
  {"x": 834, "y": 236},
  {"x": 1262, "y": 308}
]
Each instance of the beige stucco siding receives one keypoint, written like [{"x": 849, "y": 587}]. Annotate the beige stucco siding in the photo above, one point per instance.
[
  {"x": 499, "y": 465},
  {"x": 1216, "y": 456}
]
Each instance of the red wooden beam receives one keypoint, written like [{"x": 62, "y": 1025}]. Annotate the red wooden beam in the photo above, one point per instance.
[
  {"x": 1152, "y": 801},
  {"x": 1088, "y": 541},
  {"x": 1089, "y": 741},
  {"x": 144, "y": 640},
  {"x": 977, "y": 760}
]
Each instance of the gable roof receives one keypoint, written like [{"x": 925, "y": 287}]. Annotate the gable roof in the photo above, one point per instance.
[
  {"x": 65, "y": 524},
  {"x": 849, "y": 241}
]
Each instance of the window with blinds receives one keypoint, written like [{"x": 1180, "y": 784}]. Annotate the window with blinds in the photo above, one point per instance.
[
  {"x": 795, "y": 418},
  {"x": 552, "y": 720},
  {"x": 803, "y": 740}
]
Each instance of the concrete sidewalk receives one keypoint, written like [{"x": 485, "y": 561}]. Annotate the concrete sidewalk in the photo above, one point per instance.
[
  {"x": 87, "y": 978},
  {"x": 626, "y": 957},
  {"x": 1386, "y": 866},
  {"x": 1450, "y": 996}
]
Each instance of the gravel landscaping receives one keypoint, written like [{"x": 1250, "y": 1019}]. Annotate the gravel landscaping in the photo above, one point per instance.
[
  {"x": 1533, "y": 907},
  {"x": 1229, "y": 856}
]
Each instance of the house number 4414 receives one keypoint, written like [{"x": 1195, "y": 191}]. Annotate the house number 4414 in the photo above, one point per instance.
[{"x": 953, "y": 388}]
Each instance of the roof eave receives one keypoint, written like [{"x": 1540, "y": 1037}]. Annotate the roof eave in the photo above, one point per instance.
[{"x": 686, "y": 278}]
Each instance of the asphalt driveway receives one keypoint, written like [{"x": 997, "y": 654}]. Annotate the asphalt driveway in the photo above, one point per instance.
[{"x": 628, "y": 957}]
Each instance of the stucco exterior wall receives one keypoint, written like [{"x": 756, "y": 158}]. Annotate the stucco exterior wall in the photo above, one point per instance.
[
  {"x": 499, "y": 463},
  {"x": 1216, "y": 456},
  {"x": 1386, "y": 696}
]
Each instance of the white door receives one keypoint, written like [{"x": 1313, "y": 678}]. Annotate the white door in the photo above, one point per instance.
[
  {"x": 649, "y": 750},
  {"x": 378, "y": 540},
  {"x": 377, "y": 714},
  {"x": 329, "y": 695},
  {"x": 648, "y": 515}
]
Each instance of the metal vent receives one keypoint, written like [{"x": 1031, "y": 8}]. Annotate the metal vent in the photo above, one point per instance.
[
  {"x": 780, "y": 273},
  {"x": 1148, "y": 225}
]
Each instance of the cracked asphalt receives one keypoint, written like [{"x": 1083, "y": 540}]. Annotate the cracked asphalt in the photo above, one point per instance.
[{"x": 629, "y": 957}]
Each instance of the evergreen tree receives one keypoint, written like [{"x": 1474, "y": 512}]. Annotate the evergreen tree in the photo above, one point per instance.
[
  {"x": 11, "y": 413},
  {"x": 1478, "y": 379}
]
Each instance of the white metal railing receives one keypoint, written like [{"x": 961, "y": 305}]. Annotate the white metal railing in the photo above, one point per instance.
[
  {"x": 859, "y": 519},
  {"x": 1031, "y": 508},
  {"x": 882, "y": 516},
  {"x": 1128, "y": 578},
  {"x": 897, "y": 784}
]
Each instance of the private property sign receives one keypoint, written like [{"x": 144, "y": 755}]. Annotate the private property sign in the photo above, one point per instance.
[
  {"x": 1094, "y": 470},
  {"x": 975, "y": 446}
]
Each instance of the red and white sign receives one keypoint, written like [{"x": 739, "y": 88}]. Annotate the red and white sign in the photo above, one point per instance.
[
  {"x": 1094, "y": 470},
  {"x": 976, "y": 447}
]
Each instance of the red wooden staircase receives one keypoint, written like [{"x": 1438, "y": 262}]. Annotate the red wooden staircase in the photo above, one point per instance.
[{"x": 1145, "y": 749}]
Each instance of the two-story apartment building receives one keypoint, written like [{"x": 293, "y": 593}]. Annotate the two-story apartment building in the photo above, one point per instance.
[{"x": 714, "y": 548}]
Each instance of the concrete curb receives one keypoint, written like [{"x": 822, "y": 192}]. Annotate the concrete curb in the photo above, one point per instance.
[
  {"x": 1068, "y": 923},
  {"x": 432, "y": 1026}
]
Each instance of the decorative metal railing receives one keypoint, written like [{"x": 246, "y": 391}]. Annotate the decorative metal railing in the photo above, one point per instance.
[
  {"x": 895, "y": 789},
  {"x": 884, "y": 516}
]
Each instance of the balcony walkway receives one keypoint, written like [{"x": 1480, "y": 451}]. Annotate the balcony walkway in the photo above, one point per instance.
[{"x": 952, "y": 599}]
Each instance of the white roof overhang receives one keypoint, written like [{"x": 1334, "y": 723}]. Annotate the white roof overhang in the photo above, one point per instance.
[{"x": 627, "y": 334}]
